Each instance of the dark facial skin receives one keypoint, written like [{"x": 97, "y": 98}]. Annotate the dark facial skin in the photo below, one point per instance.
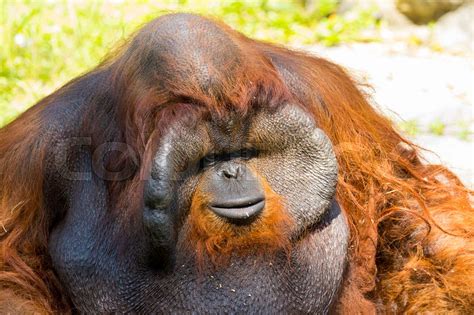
[
  {"x": 236, "y": 194},
  {"x": 153, "y": 268}
]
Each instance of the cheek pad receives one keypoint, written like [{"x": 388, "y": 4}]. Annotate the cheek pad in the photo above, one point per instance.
[{"x": 299, "y": 163}]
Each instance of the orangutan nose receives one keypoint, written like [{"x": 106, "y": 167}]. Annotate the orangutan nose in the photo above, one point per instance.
[{"x": 231, "y": 171}]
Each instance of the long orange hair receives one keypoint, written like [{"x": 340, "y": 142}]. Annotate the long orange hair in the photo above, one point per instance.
[{"x": 412, "y": 223}]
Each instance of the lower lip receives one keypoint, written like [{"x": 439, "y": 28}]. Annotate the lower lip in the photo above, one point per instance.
[{"x": 239, "y": 213}]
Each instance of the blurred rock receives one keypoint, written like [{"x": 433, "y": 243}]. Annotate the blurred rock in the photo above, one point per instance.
[
  {"x": 425, "y": 11},
  {"x": 391, "y": 15},
  {"x": 455, "y": 31},
  {"x": 385, "y": 10}
]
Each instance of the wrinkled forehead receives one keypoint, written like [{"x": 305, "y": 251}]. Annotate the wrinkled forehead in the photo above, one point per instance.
[
  {"x": 217, "y": 132},
  {"x": 235, "y": 130},
  {"x": 229, "y": 132}
]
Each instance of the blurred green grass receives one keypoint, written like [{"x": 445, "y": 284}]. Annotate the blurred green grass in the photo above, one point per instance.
[{"x": 46, "y": 43}]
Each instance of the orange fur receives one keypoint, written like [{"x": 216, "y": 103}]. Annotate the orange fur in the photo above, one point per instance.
[
  {"x": 403, "y": 214},
  {"x": 27, "y": 281}
]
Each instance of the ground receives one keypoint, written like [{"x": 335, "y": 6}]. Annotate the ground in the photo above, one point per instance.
[{"x": 429, "y": 94}]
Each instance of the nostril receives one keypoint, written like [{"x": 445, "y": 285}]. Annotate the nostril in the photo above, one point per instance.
[
  {"x": 227, "y": 174},
  {"x": 231, "y": 171}
]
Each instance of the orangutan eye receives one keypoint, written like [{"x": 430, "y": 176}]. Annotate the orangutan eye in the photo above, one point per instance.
[
  {"x": 248, "y": 153},
  {"x": 213, "y": 158},
  {"x": 208, "y": 160}
]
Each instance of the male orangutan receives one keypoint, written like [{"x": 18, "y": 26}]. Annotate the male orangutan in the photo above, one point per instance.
[{"x": 200, "y": 171}]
